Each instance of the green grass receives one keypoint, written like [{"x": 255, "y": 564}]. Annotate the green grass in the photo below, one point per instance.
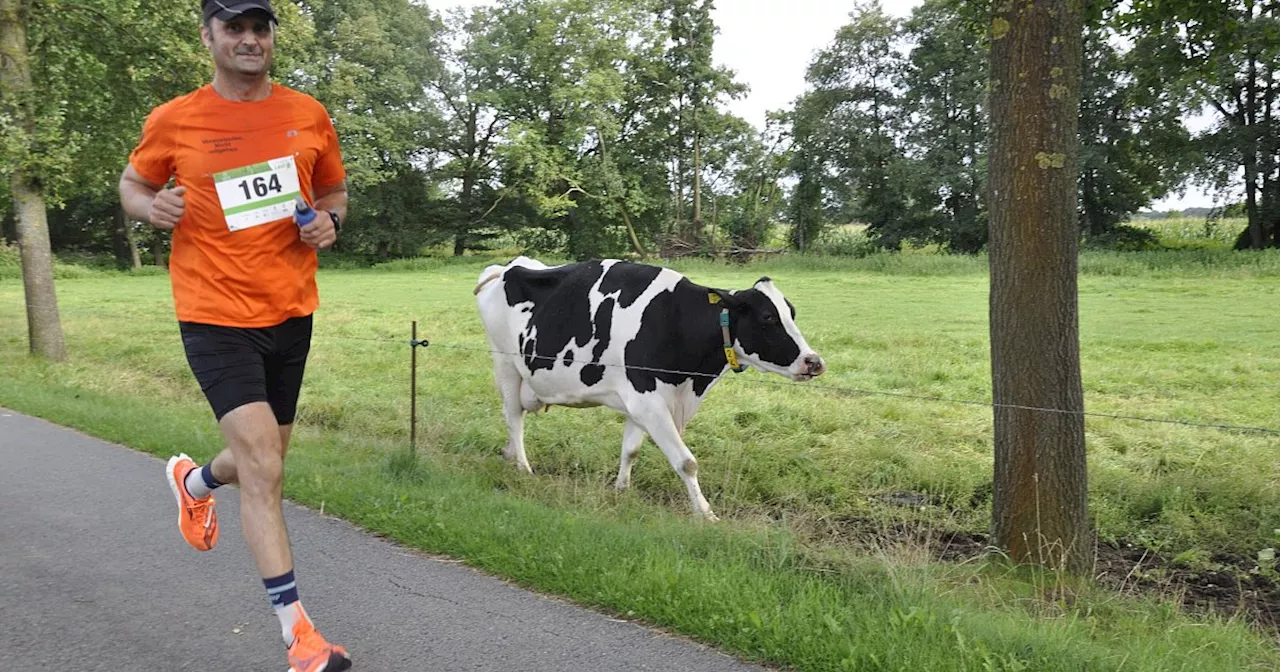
[{"x": 1183, "y": 335}]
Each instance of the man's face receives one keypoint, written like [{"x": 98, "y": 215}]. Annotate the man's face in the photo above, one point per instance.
[{"x": 243, "y": 45}]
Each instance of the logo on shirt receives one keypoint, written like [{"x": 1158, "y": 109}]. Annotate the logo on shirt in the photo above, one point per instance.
[
  {"x": 222, "y": 145},
  {"x": 291, "y": 133}
]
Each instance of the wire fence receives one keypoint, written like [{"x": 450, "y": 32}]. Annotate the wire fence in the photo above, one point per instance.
[{"x": 833, "y": 389}]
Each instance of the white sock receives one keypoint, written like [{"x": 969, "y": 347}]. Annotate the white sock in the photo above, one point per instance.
[
  {"x": 196, "y": 486},
  {"x": 288, "y": 615}
]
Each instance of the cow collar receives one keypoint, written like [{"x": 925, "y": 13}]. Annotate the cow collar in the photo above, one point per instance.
[{"x": 729, "y": 354}]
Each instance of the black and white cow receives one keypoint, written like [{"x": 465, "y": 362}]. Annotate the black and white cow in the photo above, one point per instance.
[{"x": 642, "y": 340}]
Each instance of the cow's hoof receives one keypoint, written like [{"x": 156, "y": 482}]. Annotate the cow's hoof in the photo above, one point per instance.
[{"x": 710, "y": 517}]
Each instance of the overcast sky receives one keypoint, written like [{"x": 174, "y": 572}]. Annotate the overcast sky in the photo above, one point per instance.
[{"x": 769, "y": 43}]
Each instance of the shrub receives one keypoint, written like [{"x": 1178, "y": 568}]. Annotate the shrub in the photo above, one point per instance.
[{"x": 843, "y": 242}]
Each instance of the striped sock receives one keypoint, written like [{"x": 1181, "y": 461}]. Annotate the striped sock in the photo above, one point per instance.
[
  {"x": 283, "y": 592},
  {"x": 200, "y": 482}
]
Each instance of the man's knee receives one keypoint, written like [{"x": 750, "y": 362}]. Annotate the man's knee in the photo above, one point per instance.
[
  {"x": 255, "y": 442},
  {"x": 262, "y": 474}
]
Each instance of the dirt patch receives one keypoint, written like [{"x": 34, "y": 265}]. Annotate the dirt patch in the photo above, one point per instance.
[
  {"x": 1231, "y": 585},
  {"x": 1232, "y": 588}
]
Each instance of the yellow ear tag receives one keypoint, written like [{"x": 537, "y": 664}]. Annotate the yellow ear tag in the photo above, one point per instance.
[{"x": 713, "y": 297}]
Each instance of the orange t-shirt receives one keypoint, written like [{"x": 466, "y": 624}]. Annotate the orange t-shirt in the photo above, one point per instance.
[{"x": 237, "y": 256}]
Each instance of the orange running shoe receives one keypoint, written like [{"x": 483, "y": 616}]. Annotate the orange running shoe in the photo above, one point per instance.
[
  {"x": 311, "y": 653},
  {"x": 197, "y": 518}
]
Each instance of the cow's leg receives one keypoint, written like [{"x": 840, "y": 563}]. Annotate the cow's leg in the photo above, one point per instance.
[
  {"x": 632, "y": 437},
  {"x": 662, "y": 428},
  {"x": 509, "y": 383}
]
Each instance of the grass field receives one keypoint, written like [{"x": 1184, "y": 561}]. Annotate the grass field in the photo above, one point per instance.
[
  {"x": 1195, "y": 232},
  {"x": 807, "y": 569}
]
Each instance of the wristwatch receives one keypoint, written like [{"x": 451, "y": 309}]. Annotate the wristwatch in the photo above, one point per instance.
[{"x": 337, "y": 221}]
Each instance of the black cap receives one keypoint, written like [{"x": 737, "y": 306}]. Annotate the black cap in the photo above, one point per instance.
[{"x": 230, "y": 9}]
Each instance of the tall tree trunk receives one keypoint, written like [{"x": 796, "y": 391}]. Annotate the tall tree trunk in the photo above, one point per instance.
[
  {"x": 1271, "y": 149},
  {"x": 131, "y": 239},
  {"x": 1270, "y": 188},
  {"x": 468, "y": 209},
  {"x": 631, "y": 231},
  {"x": 696, "y": 226},
  {"x": 119, "y": 245},
  {"x": 1257, "y": 230},
  {"x": 753, "y": 219},
  {"x": 1039, "y": 509},
  {"x": 680, "y": 228},
  {"x": 620, "y": 201},
  {"x": 44, "y": 326},
  {"x": 715, "y": 221},
  {"x": 1270, "y": 210},
  {"x": 124, "y": 242},
  {"x": 158, "y": 250},
  {"x": 1257, "y": 234},
  {"x": 469, "y": 176}
]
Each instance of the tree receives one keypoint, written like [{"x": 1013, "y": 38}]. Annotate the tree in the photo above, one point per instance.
[
  {"x": 369, "y": 62},
  {"x": 563, "y": 64},
  {"x": 129, "y": 55},
  {"x": 1225, "y": 53},
  {"x": 694, "y": 87},
  {"x": 755, "y": 198},
  {"x": 22, "y": 153},
  {"x": 1134, "y": 147},
  {"x": 848, "y": 128},
  {"x": 1040, "y": 499},
  {"x": 97, "y": 68},
  {"x": 466, "y": 93},
  {"x": 805, "y": 207},
  {"x": 945, "y": 90}
]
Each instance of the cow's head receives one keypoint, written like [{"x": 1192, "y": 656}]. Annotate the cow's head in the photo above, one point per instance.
[{"x": 765, "y": 332}]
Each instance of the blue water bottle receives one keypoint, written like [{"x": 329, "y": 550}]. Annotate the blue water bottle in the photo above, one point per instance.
[{"x": 303, "y": 214}]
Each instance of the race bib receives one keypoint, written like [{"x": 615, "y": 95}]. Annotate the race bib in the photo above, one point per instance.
[{"x": 257, "y": 194}]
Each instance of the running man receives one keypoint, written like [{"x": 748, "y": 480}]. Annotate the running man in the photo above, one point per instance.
[{"x": 240, "y": 150}]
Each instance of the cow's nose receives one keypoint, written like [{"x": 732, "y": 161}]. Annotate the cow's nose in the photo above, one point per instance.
[{"x": 814, "y": 365}]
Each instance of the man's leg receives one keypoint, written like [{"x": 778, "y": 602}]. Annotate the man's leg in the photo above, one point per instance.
[
  {"x": 253, "y": 439},
  {"x": 284, "y": 368},
  {"x": 252, "y": 378},
  {"x": 223, "y": 466},
  {"x": 257, "y": 444},
  {"x": 229, "y": 365}
]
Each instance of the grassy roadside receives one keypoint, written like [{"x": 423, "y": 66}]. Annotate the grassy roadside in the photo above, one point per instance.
[
  {"x": 1161, "y": 339},
  {"x": 748, "y": 590}
]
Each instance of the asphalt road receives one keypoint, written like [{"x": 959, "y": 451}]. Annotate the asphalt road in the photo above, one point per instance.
[{"x": 95, "y": 576}]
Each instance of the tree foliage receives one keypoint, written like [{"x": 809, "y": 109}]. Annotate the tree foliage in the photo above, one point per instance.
[
  {"x": 1224, "y": 54},
  {"x": 601, "y": 128},
  {"x": 1134, "y": 146}
]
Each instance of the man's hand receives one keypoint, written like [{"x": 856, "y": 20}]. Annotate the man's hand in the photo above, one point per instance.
[
  {"x": 167, "y": 208},
  {"x": 319, "y": 234}
]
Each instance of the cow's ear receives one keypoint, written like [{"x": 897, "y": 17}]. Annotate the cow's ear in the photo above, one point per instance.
[{"x": 722, "y": 298}]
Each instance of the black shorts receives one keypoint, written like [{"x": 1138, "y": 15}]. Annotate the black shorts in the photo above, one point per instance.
[{"x": 236, "y": 366}]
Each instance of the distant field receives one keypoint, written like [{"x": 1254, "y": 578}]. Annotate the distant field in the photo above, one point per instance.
[
  {"x": 1194, "y": 231},
  {"x": 1188, "y": 336}
]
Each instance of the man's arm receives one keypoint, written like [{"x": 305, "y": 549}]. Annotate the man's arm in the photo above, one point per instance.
[
  {"x": 333, "y": 198},
  {"x": 146, "y": 201},
  {"x": 320, "y": 234}
]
